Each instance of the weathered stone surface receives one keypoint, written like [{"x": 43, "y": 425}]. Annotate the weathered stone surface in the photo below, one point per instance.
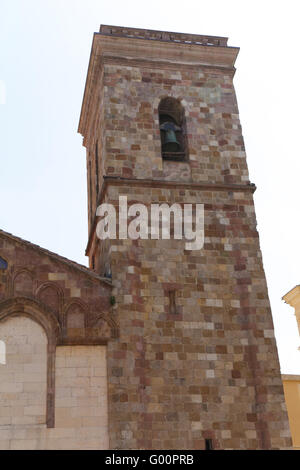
[
  {"x": 207, "y": 369},
  {"x": 55, "y": 322},
  {"x": 190, "y": 346}
]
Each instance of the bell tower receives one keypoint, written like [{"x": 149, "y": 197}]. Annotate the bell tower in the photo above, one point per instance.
[{"x": 195, "y": 365}]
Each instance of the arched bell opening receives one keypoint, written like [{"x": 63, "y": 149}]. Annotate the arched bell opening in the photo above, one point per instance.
[{"x": 172, "y": 129}]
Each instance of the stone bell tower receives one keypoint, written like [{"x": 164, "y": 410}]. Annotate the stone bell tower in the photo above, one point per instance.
[{"x": 195, "y": 365}]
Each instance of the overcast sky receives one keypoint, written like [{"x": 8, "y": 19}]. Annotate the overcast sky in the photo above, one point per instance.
[{"x": 44, "y": 52}]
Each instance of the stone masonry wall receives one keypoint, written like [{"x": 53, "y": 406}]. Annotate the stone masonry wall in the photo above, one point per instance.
[
  {"x": 77, "y": 298},
  {"x": 55, "y": 320},
  {"x": 209, "y": 370},
  {"x": 132, "y": 136}
]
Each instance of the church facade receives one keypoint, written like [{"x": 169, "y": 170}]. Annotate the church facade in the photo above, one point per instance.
[{"x": 153, "y": 346}]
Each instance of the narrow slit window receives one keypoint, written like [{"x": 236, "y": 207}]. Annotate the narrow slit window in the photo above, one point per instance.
[
  {"x": 209, "y": 444},
  {"x": 172, "y": 301}
]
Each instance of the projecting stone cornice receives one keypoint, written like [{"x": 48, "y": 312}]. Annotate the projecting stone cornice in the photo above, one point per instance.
[
  {"x": 156, "y": 35},
  {"x": 179, "y": 53},
  {"x": 292, "y": 297},
  {"x": 150, "y": 183},
  {"x": 119, "y": 180}
]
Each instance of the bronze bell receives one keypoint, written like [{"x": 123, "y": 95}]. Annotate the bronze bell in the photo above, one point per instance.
[{"x": 170, "y": 143}]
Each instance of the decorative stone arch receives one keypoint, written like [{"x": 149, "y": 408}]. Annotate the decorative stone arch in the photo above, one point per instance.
[
  {"x": 60, "y": 296},
  {"x": 71, "y": 304},
  {"x": 24, "y": 307},
  {"x": 25, "y": 272},
  {"x": 112, "y": 324}
]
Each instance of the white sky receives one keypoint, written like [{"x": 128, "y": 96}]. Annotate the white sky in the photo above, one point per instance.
[{"x": 44, "y": 52}]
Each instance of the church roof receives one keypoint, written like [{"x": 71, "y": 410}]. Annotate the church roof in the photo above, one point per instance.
[{"x": 55, "y": 256}]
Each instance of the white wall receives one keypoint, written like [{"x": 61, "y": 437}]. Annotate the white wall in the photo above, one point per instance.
[{"x": 80, "y": 392}]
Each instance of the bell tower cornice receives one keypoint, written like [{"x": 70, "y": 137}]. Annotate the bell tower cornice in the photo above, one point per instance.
[{"x": 136, "y": 47}]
